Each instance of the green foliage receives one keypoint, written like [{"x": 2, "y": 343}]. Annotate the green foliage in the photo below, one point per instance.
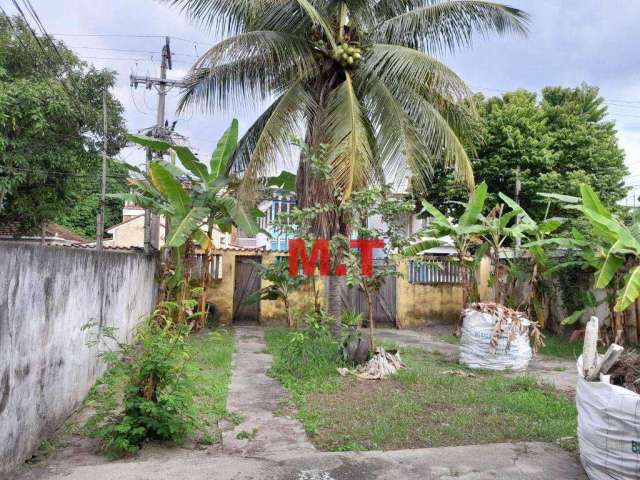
[
  {"x": 303, "y": 357},
  {"x": 383, "y": 103},
  {"x": 51, "y": 136},
  {"x": 84, "y": 204},
  {"x": 552, "y": 145},
  {"x": 280, "y": 286},
  {"x": 158, "y": 391}
]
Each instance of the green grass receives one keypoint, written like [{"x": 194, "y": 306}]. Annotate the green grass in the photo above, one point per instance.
[
  {"x": 209, "y": 367},
  {"x": 559, "y": 346},
  {"x": 450, "y": 339},
  {"x": 423, "y": 406},
  {"x": 211, "y": 364}
]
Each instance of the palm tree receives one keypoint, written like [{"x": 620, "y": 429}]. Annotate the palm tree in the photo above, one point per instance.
[{"x": 359, "y": 76}]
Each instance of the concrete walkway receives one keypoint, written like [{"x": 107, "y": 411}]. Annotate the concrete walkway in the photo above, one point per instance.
[
  {"x": 527, "y": 461},
  {"x": 254, "y": 398},
  {"x": 557, "y": 372}
]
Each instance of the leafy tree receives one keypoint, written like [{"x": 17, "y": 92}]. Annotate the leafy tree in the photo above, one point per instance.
[
  {"x": 551, "y": 145},
  {"x": 51, "y": 131},
  {"x": 81, "y": 214},
  {"x": 391, "y": 231},
  {"x": 360, "y": 77}
]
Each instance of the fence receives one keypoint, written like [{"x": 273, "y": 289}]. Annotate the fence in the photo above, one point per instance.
[{"x": 433, "y": 272}]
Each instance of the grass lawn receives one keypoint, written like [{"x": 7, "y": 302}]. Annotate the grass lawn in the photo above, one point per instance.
[
  {"x": 425, "y": 406},
  {"x": 211, "y": 364}
]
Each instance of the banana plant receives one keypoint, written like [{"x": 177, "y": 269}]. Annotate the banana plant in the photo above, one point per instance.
[
  {"x": 192, "y": 201},
  {"x": 465, "y": 235},
  {"x": 608, "y": 247},
  {"x": 623, "y": 249},
  {"x": 532, "y": 267}
]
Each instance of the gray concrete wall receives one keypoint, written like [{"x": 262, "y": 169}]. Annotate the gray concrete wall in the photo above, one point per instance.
[{"x": 46, "y": 368}]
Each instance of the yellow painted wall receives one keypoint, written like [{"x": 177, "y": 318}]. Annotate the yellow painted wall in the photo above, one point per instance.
[
  {"x": 220, "y": 293},
  {"x": 273, "y": 312},
  {"x": 417, "y": 305}
]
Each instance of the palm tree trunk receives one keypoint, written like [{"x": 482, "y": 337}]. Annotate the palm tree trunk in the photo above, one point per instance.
[{"x": 312, "y": 190}]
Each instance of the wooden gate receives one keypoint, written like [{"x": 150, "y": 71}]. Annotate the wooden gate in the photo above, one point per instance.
[
  {"x": 247, "y": 281},
  {"x": 384, "y": 302}
]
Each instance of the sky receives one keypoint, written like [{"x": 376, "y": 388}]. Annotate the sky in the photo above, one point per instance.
[{"x": 570, "y": 42}]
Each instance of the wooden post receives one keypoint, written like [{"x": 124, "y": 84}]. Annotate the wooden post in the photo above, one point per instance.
[
  {"x": 608, "y": 360},
  {"x": 590, "y": 349}
]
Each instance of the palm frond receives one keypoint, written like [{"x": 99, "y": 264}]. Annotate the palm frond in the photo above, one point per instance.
[
  {"x": 447, "y": 25},
  {"x": 246, "y": 68},
  {"x": 415, "y": 80},
  {"x": 224, "y": 16},
  {"x": 295, "y": 15},
  {"x": 345, "y": 130},
  {"x": 400, "y": 149},
  {"x": 442, "y": 144},
  {"x": 268, "y": 141},
  {"x": 407, "y": 68}
]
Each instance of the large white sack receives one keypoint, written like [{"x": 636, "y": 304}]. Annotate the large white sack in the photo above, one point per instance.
[
  {"x": 477, "y": 331},
  {"x": 608, "y": 429}
]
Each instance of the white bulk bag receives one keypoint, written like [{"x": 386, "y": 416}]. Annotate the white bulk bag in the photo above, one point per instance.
[
  {"x": 477, "y": 330},
  {"x": 608, "y": 429}
]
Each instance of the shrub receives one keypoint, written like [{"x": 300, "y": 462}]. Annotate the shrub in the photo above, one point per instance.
[
  {"x": 308, "y": 354},
  {"x": 147, "y": 393}
]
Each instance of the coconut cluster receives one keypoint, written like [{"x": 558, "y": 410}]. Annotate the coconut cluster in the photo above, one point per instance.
[{"x": 347, "y": 55}]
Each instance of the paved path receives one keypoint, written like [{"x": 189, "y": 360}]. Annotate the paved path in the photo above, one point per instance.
[
  {"x": 528, "y": 461},
  {"x": 256, "y": 397},
  {"x": 559, "y": 373}
]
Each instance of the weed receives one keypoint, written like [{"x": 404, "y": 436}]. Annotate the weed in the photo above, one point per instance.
[{"x": 244, "y": 435}]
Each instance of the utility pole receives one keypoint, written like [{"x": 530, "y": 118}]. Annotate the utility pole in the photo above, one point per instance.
[
  {"x": 152, "y": 222},
  {"x": 103, "y": 190}
]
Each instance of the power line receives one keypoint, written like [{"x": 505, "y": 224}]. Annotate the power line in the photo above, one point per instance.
[
  {"x": 128, "y": 50},
  {"x": 129, "y": 35}
]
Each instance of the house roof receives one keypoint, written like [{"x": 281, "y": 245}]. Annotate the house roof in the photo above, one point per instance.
[
  {"x": 113, "y": 227},
  {"x": 52, "y": 231}
]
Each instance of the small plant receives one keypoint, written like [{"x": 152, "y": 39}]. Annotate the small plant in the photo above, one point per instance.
[
  {"x": 313, "y": 347},
  {"x": 244, "y": 435},
  {"x": 280, "y": 287},
  {"x": 156, "y": 400}
]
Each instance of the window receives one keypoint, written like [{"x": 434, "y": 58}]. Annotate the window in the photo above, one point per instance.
[
  {"x": 215, "y": 269},
  {"x": 435, "y": 271}
]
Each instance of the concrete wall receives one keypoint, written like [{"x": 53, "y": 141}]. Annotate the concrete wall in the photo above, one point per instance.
[
  {"x": 46, "y": 369},
  {"x": 419, "y": 305}
]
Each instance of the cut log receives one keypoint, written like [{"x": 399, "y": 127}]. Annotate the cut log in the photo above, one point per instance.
[
  {"x": 590, "y": 349},
  {"x": 604, "y": 365}
]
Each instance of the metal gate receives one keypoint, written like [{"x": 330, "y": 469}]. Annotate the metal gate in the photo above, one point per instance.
[
  {"x": 384, "y": 302},
  {"x": 247, "y": 281}
]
